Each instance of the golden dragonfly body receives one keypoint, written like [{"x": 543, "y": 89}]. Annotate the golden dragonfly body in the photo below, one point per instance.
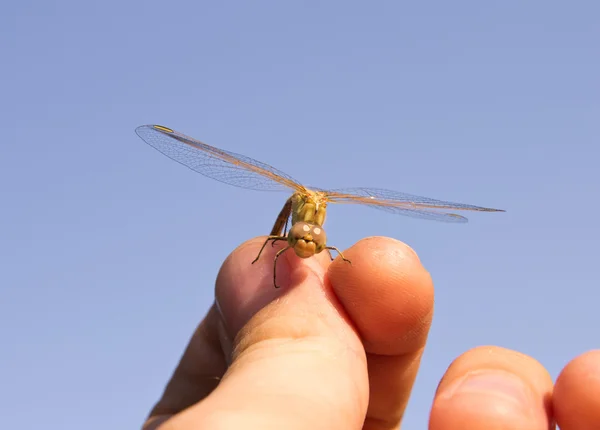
[
  {"x": 306, "y": 235},
  {"x": 307, "y": 206}
]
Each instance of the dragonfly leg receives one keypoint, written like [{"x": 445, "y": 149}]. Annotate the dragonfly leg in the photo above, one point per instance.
[
  {"x": 339, "y": 252},
  {"x": 281, "y": 251},
  {"x": 274, "y": 239},
  {"x": 330, "y": 254},
  {"x": 284, "y": 234}
]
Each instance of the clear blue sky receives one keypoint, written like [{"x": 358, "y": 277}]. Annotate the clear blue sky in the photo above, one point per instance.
[{"x": 106, "y": 261}]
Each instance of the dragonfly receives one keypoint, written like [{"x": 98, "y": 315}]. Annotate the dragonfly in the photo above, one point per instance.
[{"x": 305, "y": 210}]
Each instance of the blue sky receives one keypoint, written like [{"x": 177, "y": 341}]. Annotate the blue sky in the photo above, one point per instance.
[{"x": 106, "y": 261}]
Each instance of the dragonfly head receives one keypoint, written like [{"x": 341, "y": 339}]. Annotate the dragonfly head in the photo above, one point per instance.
[{"x": 307, "y": 239}]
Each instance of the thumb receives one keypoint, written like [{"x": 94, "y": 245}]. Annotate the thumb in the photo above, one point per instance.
[{"x": 295, "y": 362}]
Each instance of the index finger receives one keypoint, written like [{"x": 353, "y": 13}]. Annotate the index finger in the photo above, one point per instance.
[{"x": 388, "y": 295}]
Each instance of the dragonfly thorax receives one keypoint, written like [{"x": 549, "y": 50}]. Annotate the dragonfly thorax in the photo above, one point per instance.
[
  {"x": 309, "y": 207},
  {"x": 307, "y": 239}
]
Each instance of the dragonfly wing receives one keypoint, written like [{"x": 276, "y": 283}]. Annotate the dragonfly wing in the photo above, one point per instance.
[
  {"x": 215, "y": 163},
  {"x": 404, "y": 204}
]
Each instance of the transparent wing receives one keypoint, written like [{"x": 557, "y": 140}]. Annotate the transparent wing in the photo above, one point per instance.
[
  {"x": 403, "y": 203},
  {"x": 223, "y": 166}
]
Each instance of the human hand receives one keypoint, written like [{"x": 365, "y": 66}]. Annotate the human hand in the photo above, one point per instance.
[{"x": 339, "y": 347}]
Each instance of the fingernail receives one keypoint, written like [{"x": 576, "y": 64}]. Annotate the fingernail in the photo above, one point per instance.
[{"x": 501, "y": 385}]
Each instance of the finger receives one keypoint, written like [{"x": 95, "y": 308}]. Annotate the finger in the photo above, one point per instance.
[
  {"x": 296, "y": 361},
  {"x": 490, "y": 388},
  {"x": 244, "y": 288},
  {"x": 388, "y": 295},
  {"x": 576, "y": 397},
  {"x": 197, "y": 374}
]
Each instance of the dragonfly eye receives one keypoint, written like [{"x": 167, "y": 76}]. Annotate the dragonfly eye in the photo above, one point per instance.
[
  {"x": 300, "y": 230},
  {"x": 319, "y": 237}
]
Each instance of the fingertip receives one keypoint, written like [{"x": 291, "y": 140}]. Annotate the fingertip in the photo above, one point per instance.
[
  {"x": 586, "y": 364},
  {"x": 576, "y": 398},
  {"x": 245, "y": 286},
  {"x": 493, "y": 385},
  {"x": 387, "y": 293},
  {"x": 377, "y": 252}
]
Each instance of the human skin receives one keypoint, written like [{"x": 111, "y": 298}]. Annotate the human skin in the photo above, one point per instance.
[{"x": 338, "y": 346}]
